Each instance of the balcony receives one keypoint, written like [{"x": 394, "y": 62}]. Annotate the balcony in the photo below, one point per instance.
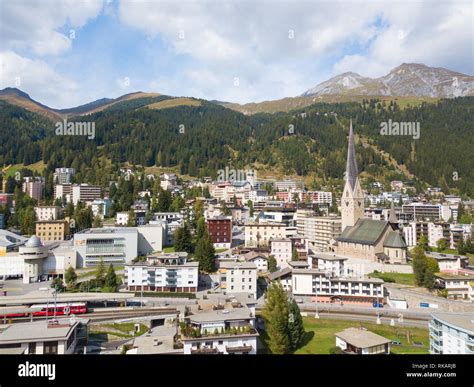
[
  {"x": 239, "y": 349},
  {"x": 205, "y": 351}
]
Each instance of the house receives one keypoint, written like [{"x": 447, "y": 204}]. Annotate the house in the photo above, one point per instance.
[
  {"x": 457, "y": 284},
  {"x": 284, "y": 276},
  {"x": 360, "y": 341},
  {"x": 451, "y": 333},
  {"x": 220, "y": 231},
  {"x": 48, "y": 212},
  {"x": 260, "y": 234},
  {"x": 44, "y": 337},
  {"x": 238, "y": 277},
  {"x": 225, "y": 331},
  {"x": 170, "y": 272},
  {"x": 52, "y": 230},
  {"x": 449, "y": 262},
  {"x": 260, "y": 260},
  {"x": 282, "y": 250}
]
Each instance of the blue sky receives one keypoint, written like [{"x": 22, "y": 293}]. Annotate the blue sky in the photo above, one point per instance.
[{"x": 274, "y": 49}]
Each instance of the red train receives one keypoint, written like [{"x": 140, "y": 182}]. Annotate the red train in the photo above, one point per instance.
[{"x": 62, "y": 309}]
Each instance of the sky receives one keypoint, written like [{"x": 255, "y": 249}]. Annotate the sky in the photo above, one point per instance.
[{"x": 64, "y": 53}]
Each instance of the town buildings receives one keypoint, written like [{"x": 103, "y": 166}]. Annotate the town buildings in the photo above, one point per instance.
[
  {"x": 48, "y": 212},
  {"x": 220, "y": 231},
  {"x": 34, "y": 187},
  {"x": 171, "y": 272},
  {"x": 451, "y": 333},
  {"x": 360, "y": 341},
  {"x": 52, "y": 230},
  {"x": 238, "y": 277},
  {"x": 224, "y": 331}
]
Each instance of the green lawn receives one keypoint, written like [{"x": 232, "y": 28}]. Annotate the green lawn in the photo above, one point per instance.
[
  {"x": 169, "y": 249},
  {"x": 399, "y": 278},
  {"x": 320, "y": 335}
]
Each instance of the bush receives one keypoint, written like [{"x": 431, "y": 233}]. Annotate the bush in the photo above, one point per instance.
[{"x": 336, "y": 351}]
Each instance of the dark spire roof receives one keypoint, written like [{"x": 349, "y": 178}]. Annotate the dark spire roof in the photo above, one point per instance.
[
  {"x": 392, "y": 217},
  {"x": 351, "y": 166}
]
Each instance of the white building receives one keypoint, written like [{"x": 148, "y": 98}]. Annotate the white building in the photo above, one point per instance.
[
  {"x": 41, "y": 337},
  {"x": 227, "y": 331},
  {"x": 85, "y": 193},
  {"x": 452, "y": 333},
  {"x": 360, "y": 341},
  {"x": 163, "y": 273},
  {"x": 260, "y": 260},
  {"x": 63, "y": 175},
  {"x": 260, "y": 234},
  {"x": 449, "y": 262},
  {"x": 238, "y": 277},
  {"x": 281, "y": 249},
  {"x": 48, "y": 212}
]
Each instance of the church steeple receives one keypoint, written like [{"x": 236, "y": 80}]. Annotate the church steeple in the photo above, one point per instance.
[
  {"x": 352, "y": 201},
  {"x": 351, "y": 166}
]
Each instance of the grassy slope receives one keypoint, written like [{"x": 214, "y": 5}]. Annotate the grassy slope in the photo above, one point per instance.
[
  {"x": 320, "y": 336},
  {"x": 399, "y": 278}
]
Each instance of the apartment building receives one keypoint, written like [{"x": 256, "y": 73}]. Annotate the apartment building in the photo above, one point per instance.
[
  {"x": 451, "y": 333},
  {"x": 260, "y": 234},
  {"x": 457, "y": 284},
  {"x": 226, "y": 331},
  {"x": 63, "y": 192},
  {"x": 422, "y": 211},
  {"x": 63, "y": 175},
  {"x": 326, "y": 288},
  {"x": 238, "y": 277},
  {"x": 220, "y": 231},
  {"x": 48, "y": 212},
  {"x": 101, "y": 207},
  {"x": 449, "y": 262},
  {"x": 320, "y": 231},
  {"x": 281, "y": 249},
  {"x": 52, "y": 230},
  {"x": 34, "y": 187},
  {"x": 85, "y": 193},
  {"x": 171, "y": 272}
]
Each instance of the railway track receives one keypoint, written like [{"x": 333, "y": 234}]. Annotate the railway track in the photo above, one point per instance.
[{"x": 102, "y": 315}]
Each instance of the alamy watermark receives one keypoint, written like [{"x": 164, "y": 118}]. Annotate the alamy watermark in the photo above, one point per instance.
[
  {"x": 37, "y": 370},
  {"x": 392, "y": 128},
  {"x": 233, "y": 175},
  {"x": 65, "y": 128}
]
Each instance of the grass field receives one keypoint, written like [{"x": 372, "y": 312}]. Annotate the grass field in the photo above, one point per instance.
[
  {"x": 320, "y": 336},
  {"x": 399, "y": 278}
]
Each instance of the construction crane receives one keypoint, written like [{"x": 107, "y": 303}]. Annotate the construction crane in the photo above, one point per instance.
[{"x": 4, "y": 178}]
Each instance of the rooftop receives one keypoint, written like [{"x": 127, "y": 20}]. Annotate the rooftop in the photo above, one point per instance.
[
  {"x": 442, "y": 256},
  {"x": 38, "y": 330},
  {"x": 361, "y": 338},
  {"x": 461, "y": 320},
  {"x": 328, "y": 257},
  {"x": 222, "y": 315},
  {"x": 238, "y": 265},
  {"x": 365, "y": 231}
]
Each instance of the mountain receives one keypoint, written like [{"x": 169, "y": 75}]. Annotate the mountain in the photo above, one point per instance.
[
  {"x": 406, "y": 80},
  {"x": 19, "y": 98}
]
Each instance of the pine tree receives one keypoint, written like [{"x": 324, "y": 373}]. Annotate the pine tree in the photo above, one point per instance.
[
  {"x": 111, "y": 278},
  {"x": 272, "y": 264},
  {"x": 295, "y": 325},
  {"x": 70, "y": 277},
  {"x": 99, "y": 271},
  {"x": 183, "y": 239},
  {"x": 275, "y": 314},
  {"x": 294, "y": 255}
]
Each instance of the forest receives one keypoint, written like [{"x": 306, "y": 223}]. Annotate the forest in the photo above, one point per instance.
[{"x": 200, "y": 140}]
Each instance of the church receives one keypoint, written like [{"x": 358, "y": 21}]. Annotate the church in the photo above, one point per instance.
[{"x": 362, "y": 238}]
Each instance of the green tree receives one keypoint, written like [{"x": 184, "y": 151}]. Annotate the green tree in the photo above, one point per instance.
[
  {"x": 183, "y": 239},
  {"x": 441, "y": 244},
  {"x": 272, "y": 264},
  {"x": 70, "y": 277},
  {"x": 250, "y": 206},
  {"x": 205, "y": 253},
  {"x": 419, "y": 265},
  {"x": 423, "y": 243},
  {"x": 295, "y": 325},
  {"x": 97, "y": 223},
  {"x": 275, "y": 313},
  {"x": 111, "y": 278},
  {"x": 99, "y": 271},
  {"x": 430, "y": 270},
  {"x": 132, "y": 218},
  {"x": 57, "y": 283},
  {"x": 294, "y": 254}
]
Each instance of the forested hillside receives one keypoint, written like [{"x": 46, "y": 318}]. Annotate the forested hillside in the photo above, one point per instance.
[{"x": 199, "y": 140}]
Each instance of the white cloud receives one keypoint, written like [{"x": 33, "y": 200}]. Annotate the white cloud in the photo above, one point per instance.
[
  {"x": 38, "y": 78},
  {"x": 34, "y": 24}
]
